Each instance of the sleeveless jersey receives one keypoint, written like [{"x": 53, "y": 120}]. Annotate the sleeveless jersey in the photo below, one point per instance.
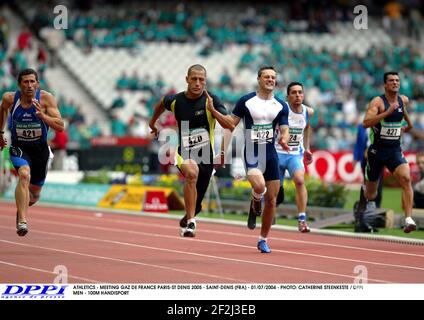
[
  {"x": 297, "y": 124},
  {"x": 25, "y": 127},
  {"x": 387, "y": 133},
  {"x": 195, "y": 122}
]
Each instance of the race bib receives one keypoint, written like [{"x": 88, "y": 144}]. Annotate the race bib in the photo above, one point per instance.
[
  {"x": 196, "y": 138},
  {"x": 391, "y": 130},
  {"x": 28, "y": 131},
  {"x": 262, "y": 133},
  {"x": 295, "y": 136}
]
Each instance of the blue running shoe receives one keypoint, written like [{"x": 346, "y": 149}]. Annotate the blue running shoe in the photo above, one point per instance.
[{"x": 263, "y": 247}]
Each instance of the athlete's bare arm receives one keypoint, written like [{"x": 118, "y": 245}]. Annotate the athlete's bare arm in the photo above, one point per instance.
[
  {"x": 48, "y": 111},
  {"x": 284, "y": 137},
  {"x": 226, "y": 121},
  {"x": 159, "y": 108},
  {"x": 307, "y": 132},
  {"x": 236, "y": 120},
  {"x": 228, "y": 133},
  {"x": 307, "y": 137},
  {"x": 225, "y": 142},
  {"x": 406, "y": 114},
  {"x": 6, "y": 103},
  {"x": 375, "y": 112}
]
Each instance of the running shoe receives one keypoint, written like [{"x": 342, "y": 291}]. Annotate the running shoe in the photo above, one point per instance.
[
  {"x": 183, "y": 222},
  {"x": 22, "y": 229},
  {"x": 263, "y": 246},
  {"x": 302, "y": 226},
  {"x": 190, "y": 231},
  {"x": 409, "y": 226}
]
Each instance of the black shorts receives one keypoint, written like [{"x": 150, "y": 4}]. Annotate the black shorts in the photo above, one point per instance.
[
  {"x": 378, "y": 158},
  {"x": 36, "y": 157}
]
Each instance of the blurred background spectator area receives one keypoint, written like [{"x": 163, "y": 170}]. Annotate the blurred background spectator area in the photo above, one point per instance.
[{"x": 115, "y": 61}]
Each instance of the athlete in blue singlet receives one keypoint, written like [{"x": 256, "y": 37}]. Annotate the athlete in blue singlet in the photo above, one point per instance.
[
  {"x": 32, "y": 113},
  {"x": 292, "y": 160},
  {"x": 261, "y": 113},
  {"x": 385, "y": 115}
]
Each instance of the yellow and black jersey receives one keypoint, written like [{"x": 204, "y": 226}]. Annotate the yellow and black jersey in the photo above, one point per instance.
[{"x": 196, "y": 126}]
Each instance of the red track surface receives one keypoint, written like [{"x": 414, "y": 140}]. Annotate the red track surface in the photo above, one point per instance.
[{"x": 118, "y": 248}]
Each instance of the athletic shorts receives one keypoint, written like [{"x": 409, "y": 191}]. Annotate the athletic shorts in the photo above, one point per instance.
[
  {"x": 291, "y": 163},
  {"x": 267, "y": 163},
  {"x": 36, "y": 157},
  {"x": 378, "y": 158}
]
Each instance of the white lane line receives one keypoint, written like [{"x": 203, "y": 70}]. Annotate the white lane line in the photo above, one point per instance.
[
  {"x": 177, "y": 252},
  {"x": 15, "y": 265},
  {"x": 135, "y": 223},
  {"x": 178, "y": 238},
  {"x": 148, "y": 234},
  {"x": 116, "y": 259},
  {"x": 226, "y": 233}
]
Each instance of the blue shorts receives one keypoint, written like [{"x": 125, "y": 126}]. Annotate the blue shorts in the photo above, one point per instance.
[
  {"x": 382, "y": 157},
  {"x": 290, "y": 162},
  {"x": 267, "y": 163}
]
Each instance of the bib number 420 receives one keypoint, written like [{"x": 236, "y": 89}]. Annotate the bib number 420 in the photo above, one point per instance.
[{"x": 193, "y": 140}]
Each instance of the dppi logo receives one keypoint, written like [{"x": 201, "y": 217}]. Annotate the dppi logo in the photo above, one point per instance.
[{"x": 34, "y": 291}]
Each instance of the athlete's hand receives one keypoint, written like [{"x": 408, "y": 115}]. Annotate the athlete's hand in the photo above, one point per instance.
[
  {"x": 308, "y": 156},
  {"x": 3, "y": 142},
  {"x": 284, "y": 144},
  {"x": 406, "y": 129},
  {"x": 393, "y": 107},
  {"x": 39, "y": 113},
  {"x": 209, "y": 103},
  {"x": 154, "y": 129}
]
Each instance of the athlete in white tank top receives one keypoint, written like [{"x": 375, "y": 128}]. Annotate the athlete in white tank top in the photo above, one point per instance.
[{"x": 292, "y": 160}]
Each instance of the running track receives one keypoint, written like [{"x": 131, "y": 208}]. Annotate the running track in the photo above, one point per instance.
[{"x": 120, "y": 248}]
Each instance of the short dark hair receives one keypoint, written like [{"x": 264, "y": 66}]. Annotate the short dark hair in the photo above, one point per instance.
[
  {"x": 390, "y": 73},
  {"x": 265, "y": 68},
  {"x": 196, "y": 67},
  {"x": 292, "y": 84},
  {"x": 26, "y": 72}
]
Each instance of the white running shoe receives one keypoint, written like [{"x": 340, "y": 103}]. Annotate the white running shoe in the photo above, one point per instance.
[
  {"x": 409, "y": 225},
  {"x": 21, "y": 229},
  {"x": 190, "y": 231}
]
